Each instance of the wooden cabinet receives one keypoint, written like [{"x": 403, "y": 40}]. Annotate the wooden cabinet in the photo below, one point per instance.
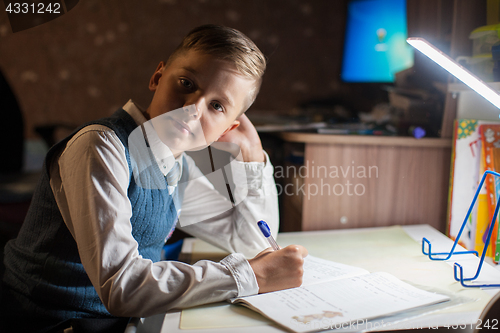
[{"x": 366, "y": 181}]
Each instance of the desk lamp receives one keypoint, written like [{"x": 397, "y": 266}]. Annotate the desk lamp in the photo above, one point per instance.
[
  {"x": 455, "y": 69},
  {"x": 493, "y": 97}
]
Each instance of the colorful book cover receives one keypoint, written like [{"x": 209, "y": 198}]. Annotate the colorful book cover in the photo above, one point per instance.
[
  {"x": 463, "y": 180},
  {"x": 481, "y": 221},
  {"x": 482, "y": 218},
  {"x": 496, "y": 158},
  {"x": 490, "y": 138},
  {"x": 466, "y": 156}
]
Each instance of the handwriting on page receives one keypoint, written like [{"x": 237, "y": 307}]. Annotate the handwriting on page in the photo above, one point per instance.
[{"x": 319, "y": 270}]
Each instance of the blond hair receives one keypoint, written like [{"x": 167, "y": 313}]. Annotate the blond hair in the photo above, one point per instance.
[{"x": 228, "y": 44}]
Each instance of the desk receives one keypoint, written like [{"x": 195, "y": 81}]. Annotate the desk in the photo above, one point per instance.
[{"x": 400, "y": 256}]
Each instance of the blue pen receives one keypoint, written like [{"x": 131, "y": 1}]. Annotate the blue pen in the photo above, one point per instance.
[{"x": 267, "y": 233}]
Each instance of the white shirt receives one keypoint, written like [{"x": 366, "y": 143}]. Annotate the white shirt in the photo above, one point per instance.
[{"x": 90, "y": 181}]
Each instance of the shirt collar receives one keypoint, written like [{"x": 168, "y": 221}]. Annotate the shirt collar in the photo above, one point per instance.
[{"x": 163, "y": 155}]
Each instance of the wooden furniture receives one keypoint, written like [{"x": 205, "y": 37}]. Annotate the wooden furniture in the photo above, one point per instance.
[{"x": 366, "y": 181}]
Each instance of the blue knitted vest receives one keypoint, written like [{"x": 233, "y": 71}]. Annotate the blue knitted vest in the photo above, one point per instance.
[{"x": 44, "y": 276}]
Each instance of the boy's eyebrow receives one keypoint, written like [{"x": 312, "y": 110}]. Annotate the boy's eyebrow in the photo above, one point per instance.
[
  {"x": 228, "y": 100},
  {"x": 225, "y": 97},
  {"x": 190, "y": 69}
]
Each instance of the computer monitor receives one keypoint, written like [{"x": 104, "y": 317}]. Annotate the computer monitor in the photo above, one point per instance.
[{"x": 375, "y": 45}]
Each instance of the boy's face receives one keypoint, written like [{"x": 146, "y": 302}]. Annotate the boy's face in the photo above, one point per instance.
[{"x": 197, "y": 99}]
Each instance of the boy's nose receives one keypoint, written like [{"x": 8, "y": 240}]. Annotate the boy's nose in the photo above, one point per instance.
[{"x": 193, "y": 111}]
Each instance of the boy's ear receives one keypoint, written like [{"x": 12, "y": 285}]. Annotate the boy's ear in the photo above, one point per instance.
[
  {"x": 153, "y": 82},
  {"x": 235, "y": 124}
]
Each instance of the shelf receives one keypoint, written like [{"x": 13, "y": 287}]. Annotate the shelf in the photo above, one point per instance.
[
  {"x": 370, "y": 140},
  {"x": 460, "y": 87}
]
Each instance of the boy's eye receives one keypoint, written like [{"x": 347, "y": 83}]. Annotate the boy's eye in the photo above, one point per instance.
[
  {"x": 217, "y": 106},
  {"x": 187, "y": 84}
]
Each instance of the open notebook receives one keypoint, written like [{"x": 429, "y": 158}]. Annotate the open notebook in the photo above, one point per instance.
[{"x": 335, "y": 295}]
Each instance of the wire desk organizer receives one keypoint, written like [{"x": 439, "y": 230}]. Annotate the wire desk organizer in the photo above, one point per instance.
[{"x": 447, "y": 255}]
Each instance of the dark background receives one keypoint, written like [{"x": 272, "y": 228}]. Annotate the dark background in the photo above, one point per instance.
[{"x": 91, "y": 60}]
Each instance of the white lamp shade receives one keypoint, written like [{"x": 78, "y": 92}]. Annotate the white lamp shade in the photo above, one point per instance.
[{"x": 455, "y": 69}]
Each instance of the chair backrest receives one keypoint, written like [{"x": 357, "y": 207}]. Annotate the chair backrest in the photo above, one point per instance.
[
  {"x": 490, "y": 317},
  {"x": 12, "y": 133}
]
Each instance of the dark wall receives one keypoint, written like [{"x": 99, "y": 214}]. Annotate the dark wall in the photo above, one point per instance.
[{"x": 90, "y": 61}]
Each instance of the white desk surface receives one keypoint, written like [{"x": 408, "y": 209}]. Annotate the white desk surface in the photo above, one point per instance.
[{"x": 170, "y": 322}]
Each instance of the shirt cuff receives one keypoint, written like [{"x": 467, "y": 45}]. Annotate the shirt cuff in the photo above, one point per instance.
[{"x": 242, "y": 273}]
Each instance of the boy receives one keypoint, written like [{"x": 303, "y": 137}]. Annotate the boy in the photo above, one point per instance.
[{"x": 111, "y": 193}]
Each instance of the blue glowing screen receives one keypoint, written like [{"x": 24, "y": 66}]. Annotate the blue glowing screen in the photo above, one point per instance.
[{"x": 375, "y": 46}]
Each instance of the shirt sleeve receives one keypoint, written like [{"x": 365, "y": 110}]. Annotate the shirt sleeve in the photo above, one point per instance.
[
  {"x": 235, "y": 228},
  {"x": 90, "y": 180}
]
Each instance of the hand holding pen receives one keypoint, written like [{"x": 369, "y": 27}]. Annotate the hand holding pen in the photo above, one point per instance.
[{"x": 277, "y": 270}]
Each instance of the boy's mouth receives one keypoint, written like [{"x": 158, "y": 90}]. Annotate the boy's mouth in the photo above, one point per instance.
[{"x": 183, "y": 127}]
